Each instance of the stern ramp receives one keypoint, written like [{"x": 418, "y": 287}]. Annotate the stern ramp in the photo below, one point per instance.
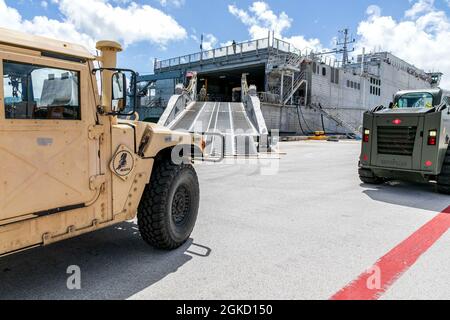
[{"x": 227, "y": 118}]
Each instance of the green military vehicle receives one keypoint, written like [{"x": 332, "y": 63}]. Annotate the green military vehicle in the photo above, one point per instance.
[{"x": 409, "y": 140}]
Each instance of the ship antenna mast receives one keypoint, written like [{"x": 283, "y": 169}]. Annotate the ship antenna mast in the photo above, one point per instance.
[
  {"x": 342, "y": 46},
  {"x": 345, "y": 42}
]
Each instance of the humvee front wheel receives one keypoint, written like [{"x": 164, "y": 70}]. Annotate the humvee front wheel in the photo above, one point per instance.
[
  {"x": 169, "y": 206},
  {"x": 443, "y": 180}
]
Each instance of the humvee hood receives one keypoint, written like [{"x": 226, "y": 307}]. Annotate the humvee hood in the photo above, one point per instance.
[{"x": 405, "y": 111}]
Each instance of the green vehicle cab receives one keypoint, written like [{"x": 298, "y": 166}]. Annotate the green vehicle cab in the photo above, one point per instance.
[{"x": 409, "y": 140}]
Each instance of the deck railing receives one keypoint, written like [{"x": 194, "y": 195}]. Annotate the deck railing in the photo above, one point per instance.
[{"x": 229, "y": 51}]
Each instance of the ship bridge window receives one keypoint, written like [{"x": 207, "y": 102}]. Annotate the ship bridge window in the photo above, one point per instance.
[
  {"x": 375, "y": 91},
  {"x": 376, "y": 82},
  {"x": 334, "y": 76},
  {"x": 324, "y": 71},
  {"x": 314, "y": 67},
  {"x": 354, "y": 85}
]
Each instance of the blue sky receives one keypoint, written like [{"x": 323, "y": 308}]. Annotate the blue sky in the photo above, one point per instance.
[{"x": 312, "y": 22}]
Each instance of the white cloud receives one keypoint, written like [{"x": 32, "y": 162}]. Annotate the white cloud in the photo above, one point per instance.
[
  {"x": 302, "y": 43},
  {"x": 174, "y": 3},
  {"x": 226, "y": 44},
  {"x": 420, "y": 7},
  {"x": 85, "y": 22},
  {"x": 40, "y": 25},
  {"x": 132, "y": 24},
  {"x": 9, "y": 16},
  {"x": 373, "y": 10},
  {"x": 44, "y": 4},
  {"x": 260, "y": 19},
  {"x": 118, "y": 1},
  {"x": 421, "y": 37},
  {"x": 209, "y": 41}
]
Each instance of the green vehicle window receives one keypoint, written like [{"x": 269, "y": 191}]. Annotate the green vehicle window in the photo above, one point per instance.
[{"x": 416, "y": 100}]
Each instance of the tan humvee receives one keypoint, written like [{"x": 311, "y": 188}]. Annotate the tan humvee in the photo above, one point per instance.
[{"x": 69, "y": 165}]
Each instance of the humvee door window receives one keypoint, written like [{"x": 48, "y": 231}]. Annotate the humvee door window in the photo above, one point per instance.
[
  {"x": 39, "y": 92},
  {"x": 415, "y": 100}
]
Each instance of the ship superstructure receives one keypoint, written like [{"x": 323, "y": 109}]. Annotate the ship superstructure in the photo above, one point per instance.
[{"x": 300, "y": 91}]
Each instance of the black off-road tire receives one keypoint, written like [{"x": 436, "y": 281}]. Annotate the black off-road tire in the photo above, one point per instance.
[
  {"x": 443, "y": 180},
  {"x": 169, "y": 206},
  {"x": 367, "y": 177},
  {"x": 375, "y": 181}
]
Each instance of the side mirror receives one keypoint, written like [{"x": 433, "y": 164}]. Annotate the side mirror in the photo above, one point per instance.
[
  {"x": 122, "y": 96},
  {"x": 119, "y": 92}
]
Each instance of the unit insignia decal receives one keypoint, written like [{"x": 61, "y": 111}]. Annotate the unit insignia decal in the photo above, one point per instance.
[{"x": 122, "y": 164}]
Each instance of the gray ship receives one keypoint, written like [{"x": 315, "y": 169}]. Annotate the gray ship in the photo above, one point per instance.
[{"x": 294, "y": 92}]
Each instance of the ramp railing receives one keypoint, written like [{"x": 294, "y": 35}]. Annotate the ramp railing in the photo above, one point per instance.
[
  {"x": 252, "y": 106},
  {"x": 182, "y": 99},
  {"x": 336, "y": 118}
]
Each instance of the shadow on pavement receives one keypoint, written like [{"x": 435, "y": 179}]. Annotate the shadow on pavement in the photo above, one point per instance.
[
  {"x": 115, "y": 263},
  {"x": 409, "y": 194}
]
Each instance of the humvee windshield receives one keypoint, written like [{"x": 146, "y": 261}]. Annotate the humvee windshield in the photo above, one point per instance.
[{"x": 415, "y": 100}]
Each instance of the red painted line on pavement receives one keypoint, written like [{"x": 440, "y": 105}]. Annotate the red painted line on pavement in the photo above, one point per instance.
[{"x": 396, "y": 262}]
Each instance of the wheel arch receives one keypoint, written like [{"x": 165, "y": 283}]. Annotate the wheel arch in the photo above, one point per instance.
[{"x": 167, "y": 153}]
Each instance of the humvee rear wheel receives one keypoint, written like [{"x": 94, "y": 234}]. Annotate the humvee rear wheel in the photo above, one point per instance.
[
  {"x": 367, "y": 177},
  {"x": 169, "y": 206},
  {"x": 375, "y": 180},
  {"x": 443, "y": 180}
]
